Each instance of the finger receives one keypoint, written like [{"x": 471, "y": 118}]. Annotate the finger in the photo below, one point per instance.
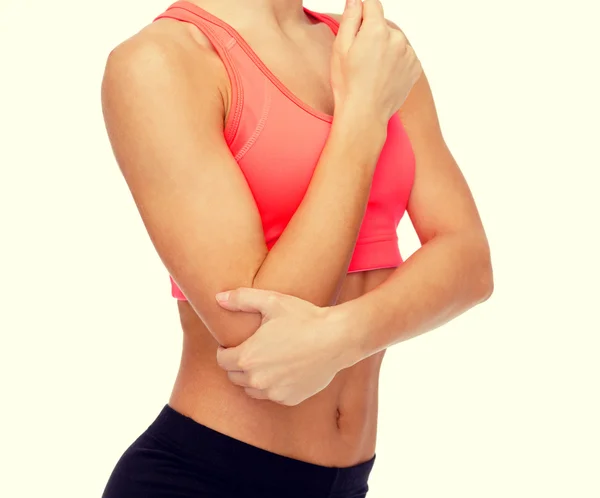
[
  {"x": 229, "y": 358},
  {"x": 349, "y": 25},
  {"x": 256, "y": 393},
  {"x": 248, "y": 299},
  {"x": 373, "y": 12},
  {"x": 239, "y": 378}
]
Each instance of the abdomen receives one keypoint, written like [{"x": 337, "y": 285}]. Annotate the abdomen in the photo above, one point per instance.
[{"x": 336, "y": 427}]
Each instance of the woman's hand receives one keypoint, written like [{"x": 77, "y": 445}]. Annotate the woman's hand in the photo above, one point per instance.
[
  {"x": 294, "y": 354},
  {"x": 373, "y": 67}
]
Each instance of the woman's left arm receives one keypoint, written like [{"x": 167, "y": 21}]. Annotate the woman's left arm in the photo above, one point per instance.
[{"x": 450, "y": 273}]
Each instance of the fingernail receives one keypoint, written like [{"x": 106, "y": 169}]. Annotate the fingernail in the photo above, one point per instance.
[
  {"x": 222, "y": 296},
  {"x": 350, "y": 3}
]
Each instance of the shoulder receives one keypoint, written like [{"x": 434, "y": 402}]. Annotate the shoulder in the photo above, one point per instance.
[{"x": 164, "y": 55}]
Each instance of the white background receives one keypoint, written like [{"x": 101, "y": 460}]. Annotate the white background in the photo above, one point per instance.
[{"x": 502, "y": 402}]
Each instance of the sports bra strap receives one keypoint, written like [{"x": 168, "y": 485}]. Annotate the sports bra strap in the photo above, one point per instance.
[
  {"x": 242, "y": 65},
  {"x": 219, "y": 37},
  {"x": 222, "y": 41},
  {"x": 327, "y": 19}
]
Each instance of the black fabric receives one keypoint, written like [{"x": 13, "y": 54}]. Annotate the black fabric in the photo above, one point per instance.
[{"x": 176, "y": 457}]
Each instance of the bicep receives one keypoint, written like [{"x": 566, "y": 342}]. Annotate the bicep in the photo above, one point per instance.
[
  {"x": 440, "y": 200},
  {"x": 166, "y": 131}
]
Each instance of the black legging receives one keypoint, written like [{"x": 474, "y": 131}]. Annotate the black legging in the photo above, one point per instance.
[{"x": 176, "y": 457}]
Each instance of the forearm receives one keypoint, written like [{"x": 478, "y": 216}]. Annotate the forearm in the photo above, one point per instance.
[
  {"x": 312, "y": 255},
  {"x": 445, "y": 277}
]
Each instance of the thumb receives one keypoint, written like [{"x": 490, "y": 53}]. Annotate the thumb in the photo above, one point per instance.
[
  {"x": 249, "y": 299},
  {"x": 349, "y": 25}
]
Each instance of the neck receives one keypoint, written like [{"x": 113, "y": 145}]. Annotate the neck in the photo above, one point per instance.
[{"x": 280, "y": 12}]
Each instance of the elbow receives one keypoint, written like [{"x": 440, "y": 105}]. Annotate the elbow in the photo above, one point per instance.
[
  {"x": 478, "y": 276},
  {"x": 228, "y": 328},
  {"x": 232, "y": 328},
  {"x": 484, "y": 276},
  {"x": 486, "y": 284}
]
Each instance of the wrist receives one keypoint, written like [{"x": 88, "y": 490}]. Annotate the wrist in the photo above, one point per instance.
[
  {"x": 359, "y": 126},
  {"x": 348, "y": 335}
]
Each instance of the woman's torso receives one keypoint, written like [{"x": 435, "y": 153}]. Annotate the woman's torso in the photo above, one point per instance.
[{"x": 336, "y": 427}]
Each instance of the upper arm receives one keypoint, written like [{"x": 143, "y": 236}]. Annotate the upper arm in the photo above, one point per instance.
[
  {"x": 164, "y": 117},
  {"x": 440, "y": 200}
]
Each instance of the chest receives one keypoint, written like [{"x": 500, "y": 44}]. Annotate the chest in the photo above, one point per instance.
[
  {"x": 284, "y": 123},
  {"x": 301, "y": 62},
  {"x": 280, "y": 164}
]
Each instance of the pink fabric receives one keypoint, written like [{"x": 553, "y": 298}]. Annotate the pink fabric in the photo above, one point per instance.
[{"x": 277, "y": 140}]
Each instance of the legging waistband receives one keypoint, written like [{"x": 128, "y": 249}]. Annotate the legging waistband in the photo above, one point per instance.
[{"x": 254, "y": 464}]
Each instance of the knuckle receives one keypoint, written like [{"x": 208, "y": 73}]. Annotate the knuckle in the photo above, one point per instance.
[
  {"x": 244, "y": 293},
  {"x": 256, "y": 381},
  {"x": 275, "y": 394},
  {"x": 338, "y": 50},
  {"x": 379, "y": 30},
  {"x": 397, "y": 37},
  {"x": 234, "y": 295},
  {"x": 272, "y": 298},
  {"x": 243, "y": 361},
  {"x": 236, "y": 379},
  {"x": 399, "y": 43},
  {"x": 349, "y": 14}
]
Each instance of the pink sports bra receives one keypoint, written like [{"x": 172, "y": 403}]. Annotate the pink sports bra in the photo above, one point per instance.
[{"x": 277, "y": 139}]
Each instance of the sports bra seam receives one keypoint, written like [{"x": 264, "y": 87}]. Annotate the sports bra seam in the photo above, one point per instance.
[
  {"x": 230, "y": 44},
  {"x": 222, "y": 49},
  {"x": 259, "y": 127},
  {"x": 237, "y": 80},
  {"x": 378, "y": 238},
  {"x": 282, "y": 89},
  {"x": 258, "y": 63}
]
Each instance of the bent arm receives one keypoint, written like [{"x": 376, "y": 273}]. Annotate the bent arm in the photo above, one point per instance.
[
  {"x": 311, "y": 257},
  {"x": 164, "y": 117},
  {"x": 450, "y": 273}
]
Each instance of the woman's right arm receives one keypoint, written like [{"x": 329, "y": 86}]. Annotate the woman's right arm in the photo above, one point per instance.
[{"x": 164, "y": 117}]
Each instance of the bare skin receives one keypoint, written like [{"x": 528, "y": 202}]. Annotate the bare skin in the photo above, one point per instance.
[{"x": 337, "y": 426}]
